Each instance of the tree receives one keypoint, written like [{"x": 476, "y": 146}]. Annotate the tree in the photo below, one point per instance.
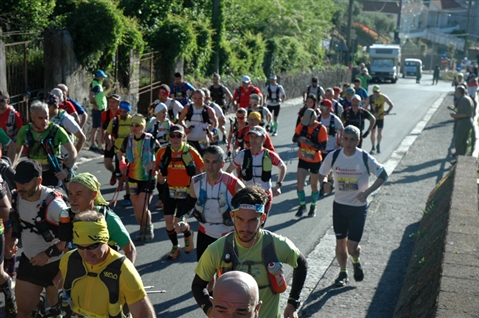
[{"x": 25, "y": 15}]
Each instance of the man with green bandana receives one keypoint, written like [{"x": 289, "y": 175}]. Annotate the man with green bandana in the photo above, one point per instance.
[
  {"x": 98, "y": 281},
  {"x": 84, "y": 194}
]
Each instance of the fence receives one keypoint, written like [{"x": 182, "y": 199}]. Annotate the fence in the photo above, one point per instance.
[
  {"x": 149, "y": 82},
  {"x": 25, "y": 74}
]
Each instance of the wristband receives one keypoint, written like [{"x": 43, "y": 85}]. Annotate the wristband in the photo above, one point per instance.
[
  {"x": 279, "y": 183},
  {"x": 294, "y": 302},
  {"x": 53, "y": 251}
]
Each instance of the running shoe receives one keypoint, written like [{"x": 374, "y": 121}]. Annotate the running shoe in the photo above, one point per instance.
[
  {"x": 141, "y": 234},
  {"x": 342, "y": 279},
  {"x": 358, "y": 272},
  {"x": 126, "y": 201},
  {"x": 312, "y": 211},
  {"x": 189, "y": 243},
  {"x": 93, "y": 148},
  {"x": 11, "y": 310},
  {"x": 149, "y": 232},
  {"x": 372, "y": 150},
  {"x": 174, "y": 253},
  {"x": 113, "y": 179},
  {"x": 301, "y": 210},
  {"x": 275, "y": 134},
  {"x": 379, "y": 150}
]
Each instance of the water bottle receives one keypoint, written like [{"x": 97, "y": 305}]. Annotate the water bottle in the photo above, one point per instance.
[
  {"x": 227, "y": 265},
  {"x": 65, "y": 217},
  {"x": 278, "y": 282},
  {"x": 65, "y": 227},
  {"x": 43, "y": 229}
]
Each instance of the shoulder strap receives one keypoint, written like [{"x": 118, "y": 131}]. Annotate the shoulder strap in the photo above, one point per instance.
[
  {"x": 335, "y": 156},
  {"x": 75, "y": 271},
  {"x": 115, "y": 126},
  {"x": 365, "y": 160},
  {"x": 110, "y": 276}
]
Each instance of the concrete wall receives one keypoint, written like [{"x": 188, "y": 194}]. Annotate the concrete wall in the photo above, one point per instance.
[
  {"x": 3, "y": 68},
  {"x": 459, "y": 286}
]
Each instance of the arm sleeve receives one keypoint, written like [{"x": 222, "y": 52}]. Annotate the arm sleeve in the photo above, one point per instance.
[
  {"x": 299, "y": 277},
  {"x": 124, "y": 144},
  {"x": 200, "y": 292}
]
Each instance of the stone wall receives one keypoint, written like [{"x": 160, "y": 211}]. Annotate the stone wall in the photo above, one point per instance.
[{"x": 3, "y": 68}]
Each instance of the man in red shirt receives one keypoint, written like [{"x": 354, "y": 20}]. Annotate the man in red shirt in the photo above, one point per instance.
[
  {"x": 10, "y": 119},
  {"x": 242, "y": 93}
]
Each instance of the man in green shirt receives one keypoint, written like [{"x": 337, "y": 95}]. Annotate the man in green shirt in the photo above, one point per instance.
[
  {"x": 98, "y": 101},
  {"x": 41, "y": 130},
  {"x": 365, "y": 78}
]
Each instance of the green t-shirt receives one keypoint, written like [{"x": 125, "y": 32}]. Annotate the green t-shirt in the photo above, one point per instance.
[
  {"x": 286, "y": 252},
  {"x": 37, "y": 152},
  {"x": 364, "y": 80},
  {"x": 100, "y": 99},
  {"x": 116, "y": 229},
  {"x": 4, "y": 139}
]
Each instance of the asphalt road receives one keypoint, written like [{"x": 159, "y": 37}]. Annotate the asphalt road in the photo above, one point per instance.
[{"x": 411, "y": 101}]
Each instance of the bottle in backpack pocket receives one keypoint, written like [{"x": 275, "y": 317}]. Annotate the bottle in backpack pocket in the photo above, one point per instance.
[
  {"x": 65, "y": 227},
  {"x": 278, "y": 282},
  {"x": 226, "y": 265},
  {"x": 43, "y": 229}
]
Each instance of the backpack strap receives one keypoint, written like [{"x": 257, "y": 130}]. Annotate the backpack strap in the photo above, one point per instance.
[
  {"x": 269, "y": 254},
  {"x": 364, "y": 155},
  {"x": 110, "y": 276},
  {"x": 76, "y": 270}
]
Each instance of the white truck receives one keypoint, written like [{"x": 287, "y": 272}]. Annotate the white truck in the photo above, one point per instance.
[{"x": 384, "y": 62}]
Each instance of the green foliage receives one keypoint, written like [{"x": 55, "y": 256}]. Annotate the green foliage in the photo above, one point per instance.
[
  {"x": 379, "y": 22},
  {"x": 96, "y": 27},
  {"x": 201, "y": 58},
  {"x": 132, "y": 39},
  {"x": 25, "y": 15},
  {"x": 149, "y": 12},
  {"x": 286, "y": 54}
]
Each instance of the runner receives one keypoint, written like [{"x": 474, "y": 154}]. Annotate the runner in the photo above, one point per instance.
[
  {"x": 220, "y": 116},
  {"x": 255, "y": 106},
  {"x": 376, "y": 103},
  {"x": 112, "y": 112},
  {"x": 275, "y": 96},
  {"x": 311, "y": 137},
  {"x": 312, "y": 103},
  {"x": 241, "y": 96},
  {"x": 181, "y": 90},
  {"x": 314, "y": 89},
  {"x": 358, "y": 90},
  {"x": 356, "y": 115},
  {"x": 347, "y": 100},
  {"x": 337, "y": 108},
  {"x": 220, "y": 94},
  {"x": 177, "y": 163},
  {"x": 174, "y": 107},
  {"x": 254, "y": 120},
  {"x": 351, "y": 167},
  {"x": 236, "y": 137}
]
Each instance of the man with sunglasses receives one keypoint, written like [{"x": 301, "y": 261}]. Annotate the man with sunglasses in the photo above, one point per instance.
[
  {"x": 39, "y": 262},
  {"x": 255, "y": 106},
  {"x": 235, "y": 136},
  {"x": 376, "y": 101},
  {"x": 95, "y": 270},
  {"x": 10, "y": 119},
  {"x": 177, "y": 163}
]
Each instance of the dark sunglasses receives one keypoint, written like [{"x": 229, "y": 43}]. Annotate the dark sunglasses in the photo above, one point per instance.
[
  {"x": 254, "y": 104},
  {"x": 89, "y": 247},
  {"x": 178, "y": 136},
  {"x": 135, "y": 125}
]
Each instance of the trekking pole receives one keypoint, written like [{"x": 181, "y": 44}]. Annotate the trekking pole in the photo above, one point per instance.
[
  {"x": 53, "y": 160},
  {"x": 114, "y": 199},
  {"x": 147, "y": 197},
  {"x": 291, "y": 153}
]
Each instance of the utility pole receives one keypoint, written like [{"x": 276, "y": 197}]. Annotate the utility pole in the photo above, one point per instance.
[
  {"x": 216, "y": 17},
  {"x": 348, "y": 31},
  {"x": 467, "y": 26},
  {"x": 398, "y": 25}
]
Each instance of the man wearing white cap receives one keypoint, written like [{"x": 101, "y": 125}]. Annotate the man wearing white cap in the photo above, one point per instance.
[
  {"x": 257, "y": 163},
  {"x": 63, "y": 104},
  {"x": 355, "y": 115},
  {"x": 242, "y": 93},
  {"x": 274, "y": 96}
]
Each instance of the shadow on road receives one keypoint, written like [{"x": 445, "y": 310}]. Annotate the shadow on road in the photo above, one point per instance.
[{"x": 320, "y": 298}]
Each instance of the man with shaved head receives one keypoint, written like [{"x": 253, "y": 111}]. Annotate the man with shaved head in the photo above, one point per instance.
[{"x": 236, "y": 293}]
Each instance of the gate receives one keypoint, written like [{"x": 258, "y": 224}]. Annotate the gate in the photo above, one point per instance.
[
  {"x": 25, "y": 74},
  {"x": 149, "y": 83}
]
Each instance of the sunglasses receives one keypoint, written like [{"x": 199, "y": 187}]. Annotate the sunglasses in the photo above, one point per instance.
[
  {"x": 254, "y": 104},
  {"x": 324, "y": 108},
  {"x": 89, "y": 247},
  {"x": 178, "y": 136},
  {"x": 136, "y": 125}
]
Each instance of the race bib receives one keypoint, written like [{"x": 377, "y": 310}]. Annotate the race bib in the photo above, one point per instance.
[
  {"x": 133, "y": 187},
  {"x": 307, "y": 154},
  {"x": 178, "y": 192},
  {"x": 204, "y": 143},
  {"x": 347, "y": 184}
]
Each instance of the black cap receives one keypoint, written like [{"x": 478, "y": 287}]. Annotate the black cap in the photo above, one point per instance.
[
  {"x": 177, "y": 128},
  {"x": 26, "y": 170}
]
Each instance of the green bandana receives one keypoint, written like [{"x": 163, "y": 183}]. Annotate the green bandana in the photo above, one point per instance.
[{"x": 91, "y": 182}]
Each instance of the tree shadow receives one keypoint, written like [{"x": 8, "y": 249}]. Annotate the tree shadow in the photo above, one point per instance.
[
  {"x": 319, "y": 298},
  {"x": 162, "y": 308}
]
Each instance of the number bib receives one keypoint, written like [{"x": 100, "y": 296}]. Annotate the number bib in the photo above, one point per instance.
[
  {"x": 348, "y": 184},
  {"x": 307, "y": 154},
  {"x": 178, "y": 192},
  {"x": 204, "y": 143}
]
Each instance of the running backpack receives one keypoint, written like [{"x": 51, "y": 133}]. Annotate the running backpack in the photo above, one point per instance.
[
  {"x": 204, "y": 113},
  {"x": 31, "y": 142},
  {"x": 365, "y": 159},
  {"x": 185, "y": 157},
  {"x": 247, "y": 167},
  {"x": 332, "y": 125},
  {"x": 270, "y": 94}
]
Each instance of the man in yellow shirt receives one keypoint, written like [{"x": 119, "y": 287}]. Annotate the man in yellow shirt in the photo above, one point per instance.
[{"x": 99, "y": 281}]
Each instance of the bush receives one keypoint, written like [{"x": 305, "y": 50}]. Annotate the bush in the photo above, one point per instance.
[
  {"x": 132, "y": 39},
  {"x": 198, "y": 65},
  {"x": 287, "y": 54},
  {"x": 96, "y": 27}
]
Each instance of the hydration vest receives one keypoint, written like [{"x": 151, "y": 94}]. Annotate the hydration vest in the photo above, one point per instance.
[
  {"x": 115, "y": 126},
  {"x": 146, "y": 148},
  {"x": 166, "y": 126},
  {"x": 332, "y": 125},
  {"x": 185, "y": 157},
  {"x": 270, "y": 94},
  {"x": 318, "y": 90},
  {"x": 224, "y": 205},
  {"x": 251, "y": 91},
  {"x": 204, "y": 113},
  {"x": 247, "y": 167},
  {"x": 357, "y": 120},
  {"x": 217, "y": 94},
  {"x": 10, "y": 125},
  {"x": 313, "y": 136},
  {"x": 229, "y": 261},
  {"x": 365, "y": 159},
  {"x": 110, "y": 276},
  {"x": 58, "y": 119},
  {"x": 31, "y": 143}
]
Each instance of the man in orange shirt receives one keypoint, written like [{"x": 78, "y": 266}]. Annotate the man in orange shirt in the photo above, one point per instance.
[
  {"x": 312, "y": 138},
  {"x": 177, "y": 163}
]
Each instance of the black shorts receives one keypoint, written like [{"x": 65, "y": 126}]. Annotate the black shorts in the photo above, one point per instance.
[
  {"x": 379, "y": 123},
  {"x": 197, "y": 146},
  {"x": 139, "y": 186},
  {"x": 309, "y": 166},
  {"x": 349, "y": 221},
  {"x": 37, "y": 275},
  {"x": 274, "y": 110},
  {"x": 172, "y": 206},
  {"x": 2, "y": 246},
  {"x": 109, "y": 153},
  {"x": 96, "y": 118},
  {"x": 202, "y": 242},
  {"x": 49, "y": 178}
]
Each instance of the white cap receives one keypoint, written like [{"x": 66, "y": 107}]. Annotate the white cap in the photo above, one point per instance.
[
  {"x": 356, "y": 96},
  {"x": 160, "y": 107},
  {"x": 58, "y": 92},
  {"x": 273, "y": 77},
  {"x": 246, "y": 79}
]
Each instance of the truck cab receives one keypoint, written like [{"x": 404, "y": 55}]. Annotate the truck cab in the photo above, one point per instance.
[
  {"x": 410, "y": 67},
  {"x": 384, "y": 62}
]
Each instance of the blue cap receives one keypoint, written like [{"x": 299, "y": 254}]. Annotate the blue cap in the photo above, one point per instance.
[
  {"x": 100, "y": 73},
  {"x": 125, "y": 105}
]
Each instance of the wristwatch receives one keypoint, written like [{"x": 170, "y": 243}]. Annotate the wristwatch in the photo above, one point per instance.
[
  {"x": 279, "y": 183},
  {"x": 296, "y": 303}
]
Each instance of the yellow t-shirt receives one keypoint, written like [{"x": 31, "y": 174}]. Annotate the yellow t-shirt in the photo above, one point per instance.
[
  {"x": 377, "y": 106},
  {"x": 90, "y": 295},
  {"x": 286, "y": 252},
  {"x": 124, "y": 129}
]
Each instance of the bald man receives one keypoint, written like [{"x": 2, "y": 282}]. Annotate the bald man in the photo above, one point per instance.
[{"x": 236, "y": 293}]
